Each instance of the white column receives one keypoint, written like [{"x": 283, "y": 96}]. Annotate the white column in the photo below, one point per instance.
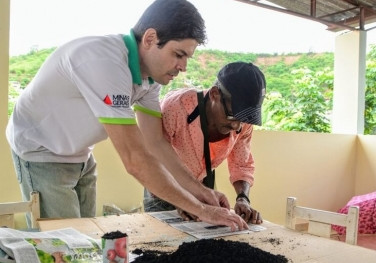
[
  {"x": 349, "y": 83},
  {"x": 9, "y": 190}
]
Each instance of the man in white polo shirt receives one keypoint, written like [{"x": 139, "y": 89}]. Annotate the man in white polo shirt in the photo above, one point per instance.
[{"x": 85, "y": 92}]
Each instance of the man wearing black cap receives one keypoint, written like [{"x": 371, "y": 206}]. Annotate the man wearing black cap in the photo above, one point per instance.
[{"x": 207, "y": 127}]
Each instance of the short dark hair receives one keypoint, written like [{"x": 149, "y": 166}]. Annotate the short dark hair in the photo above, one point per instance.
[{"x": 173, "y": 20}]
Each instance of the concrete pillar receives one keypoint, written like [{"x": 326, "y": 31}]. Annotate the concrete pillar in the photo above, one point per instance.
[
  {"x": 4, "y": 61},
  {"x": 349, "y": 83},
  {"x": 9, "y": 190}
]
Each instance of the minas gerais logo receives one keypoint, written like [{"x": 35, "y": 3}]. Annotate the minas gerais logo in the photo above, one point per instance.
[{"x": 117, "y": 101}]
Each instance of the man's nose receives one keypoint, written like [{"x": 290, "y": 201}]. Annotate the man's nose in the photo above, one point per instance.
[{"x": 182, "y": 65}]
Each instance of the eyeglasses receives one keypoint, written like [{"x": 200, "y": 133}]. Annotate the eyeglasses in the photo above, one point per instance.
[{"x": 229, "y": 115}]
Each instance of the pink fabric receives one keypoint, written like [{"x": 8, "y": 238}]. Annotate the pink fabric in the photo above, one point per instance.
[
  {"x": 367, "y": 213},
  {"x": 187, "y": 139}
]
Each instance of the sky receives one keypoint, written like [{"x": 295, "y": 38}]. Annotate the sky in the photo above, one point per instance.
[{"x": 231, "y": 25}]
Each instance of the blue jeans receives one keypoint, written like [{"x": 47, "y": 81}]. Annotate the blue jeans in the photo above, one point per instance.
[
  {"x": 66, "y": 190},
  {"x": 153, "y": 203}
]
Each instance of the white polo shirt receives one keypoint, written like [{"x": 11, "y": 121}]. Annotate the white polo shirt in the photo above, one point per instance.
[{"x": 84, "y": 83}]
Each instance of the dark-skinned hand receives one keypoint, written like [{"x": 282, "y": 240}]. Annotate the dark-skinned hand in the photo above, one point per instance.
[{"x": 244, "y": 209}]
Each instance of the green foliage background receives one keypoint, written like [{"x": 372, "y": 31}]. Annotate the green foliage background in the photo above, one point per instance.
[{"x": 299, "y": 86}]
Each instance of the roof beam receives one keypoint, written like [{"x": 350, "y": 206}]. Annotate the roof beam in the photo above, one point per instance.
[{"x": 357, "y": 22}]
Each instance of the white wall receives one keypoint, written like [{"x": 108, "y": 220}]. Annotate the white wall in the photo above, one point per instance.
[{"x": 317, "y": 168}]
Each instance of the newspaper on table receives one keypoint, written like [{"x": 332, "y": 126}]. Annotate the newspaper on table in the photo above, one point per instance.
[
  {"x": 63, "y": 245},
  {"x": 200, "y": 230}
]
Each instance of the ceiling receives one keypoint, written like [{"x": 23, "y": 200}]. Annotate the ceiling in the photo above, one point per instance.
[{"x": 337, "y": 15}]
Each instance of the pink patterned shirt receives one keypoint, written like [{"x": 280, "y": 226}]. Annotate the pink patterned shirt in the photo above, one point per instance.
[{"x": 187, "y": 139}]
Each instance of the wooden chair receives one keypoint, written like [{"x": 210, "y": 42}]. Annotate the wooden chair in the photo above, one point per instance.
[
  {"x": 8, "y": 210},
  {"x": 320, "y": 222}
]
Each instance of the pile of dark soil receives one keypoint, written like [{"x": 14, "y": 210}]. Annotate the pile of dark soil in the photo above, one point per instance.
[
  {"x": 210, "y": 251},
  {"x": 114, "y": 235}
]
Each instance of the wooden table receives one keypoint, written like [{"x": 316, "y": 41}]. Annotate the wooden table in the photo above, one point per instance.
[{"x": 146, "y": 232}]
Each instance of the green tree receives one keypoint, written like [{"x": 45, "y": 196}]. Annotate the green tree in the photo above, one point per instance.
[
  {"x": 276, "y": 111},
  {"x": 307, "y": 108},
  {"x": 299, "y": 86},
  {"x": 370, "y": 93},
  {"x": 311, "y": 106}
]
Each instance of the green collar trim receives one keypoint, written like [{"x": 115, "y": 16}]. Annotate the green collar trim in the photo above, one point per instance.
[{"x": 134, "y": 63}]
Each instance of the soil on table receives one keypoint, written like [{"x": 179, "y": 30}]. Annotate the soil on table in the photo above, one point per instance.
[
  {"x": 114, "y": 235},
  {"x": 210, "y": 251}
]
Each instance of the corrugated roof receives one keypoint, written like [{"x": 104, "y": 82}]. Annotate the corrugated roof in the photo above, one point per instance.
[{"x": 338, "y": 15}]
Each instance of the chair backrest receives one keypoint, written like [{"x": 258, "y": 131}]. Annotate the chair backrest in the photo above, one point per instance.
[
  {"x": 320, "y": 222},
  {"x": 8, "y": 210}
]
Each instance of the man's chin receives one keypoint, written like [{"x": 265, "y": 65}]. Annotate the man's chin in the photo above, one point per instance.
[
  {"x": 162, "y": 81},
  {"x": 165, "y": 81}
]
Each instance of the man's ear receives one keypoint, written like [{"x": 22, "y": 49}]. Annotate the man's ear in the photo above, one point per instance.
[
  {"x": 214, "y": 93},
  {"x": 149, "y": 38}
]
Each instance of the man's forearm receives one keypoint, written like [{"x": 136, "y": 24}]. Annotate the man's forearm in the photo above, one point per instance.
[
  {"x": 163, "y": 151},
  {"x": 148, "y": 170},
  {"x": 167, "y": 155}
]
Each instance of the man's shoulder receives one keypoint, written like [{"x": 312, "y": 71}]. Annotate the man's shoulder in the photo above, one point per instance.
[
  {"x": 187, "y": 93},
  {"x": 184, "y": 99},
  {"x": 95, "y": 46}
]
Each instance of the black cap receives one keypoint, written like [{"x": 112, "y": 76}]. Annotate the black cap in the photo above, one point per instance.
[{"x": 246, "y": 84}]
